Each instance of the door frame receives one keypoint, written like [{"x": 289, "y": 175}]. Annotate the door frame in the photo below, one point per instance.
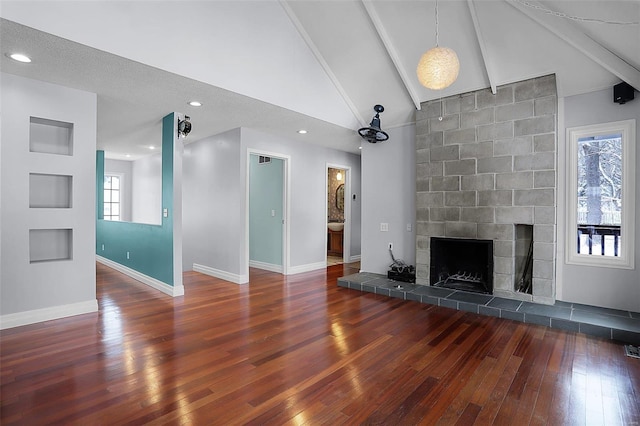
[
  {"x": 286, "y": 207},
  {"x": 346, "y": 243}
]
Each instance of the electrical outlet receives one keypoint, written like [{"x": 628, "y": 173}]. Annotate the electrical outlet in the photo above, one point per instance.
[
  {"x": 103, "y": 247},
  {"x": 384, "y": 227},
  {"x": 390, "y": 246},
  {"x": 409, "y": 227},
  {"x": 127, "y": 255}
]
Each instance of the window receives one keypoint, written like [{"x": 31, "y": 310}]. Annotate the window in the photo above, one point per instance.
[
  {"x": 601, "y": 194},
  {"x": 111, "y": 197}
]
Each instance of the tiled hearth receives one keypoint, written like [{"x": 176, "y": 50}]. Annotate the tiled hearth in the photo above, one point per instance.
[{"x": 613, "y": 324}]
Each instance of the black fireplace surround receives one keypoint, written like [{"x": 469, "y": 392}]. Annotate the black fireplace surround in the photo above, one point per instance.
[{"x": 462, "y": 264}]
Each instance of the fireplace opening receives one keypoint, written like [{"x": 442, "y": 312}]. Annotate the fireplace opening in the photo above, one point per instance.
[{"x": 462, "y": 264}]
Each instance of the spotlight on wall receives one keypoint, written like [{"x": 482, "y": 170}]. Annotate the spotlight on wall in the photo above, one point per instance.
[
  {"x": 373, "y": 133},
  {"x": 184, "y": 126},
  {"x": 339, "y": 176}
]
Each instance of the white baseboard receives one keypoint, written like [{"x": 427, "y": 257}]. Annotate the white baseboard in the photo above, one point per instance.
[
  {"x": 355, "y": 258},
  {"x": 145, "y": 279},
  {"x": 266, "y": 266},
  {"x": 47, "y": 314},
  {"x": 223, "y": 275},
  {"x": 307, "y": 268}
]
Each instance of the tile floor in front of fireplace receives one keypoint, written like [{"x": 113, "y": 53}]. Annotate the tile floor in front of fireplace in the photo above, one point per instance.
[{"x": 613, "y": 324}]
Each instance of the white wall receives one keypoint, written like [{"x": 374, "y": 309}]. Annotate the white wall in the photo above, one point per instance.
[
  {"x": 308, "y": 221},
  {"x": 213, "y": 194},
  {"x": 32, "y": 292},
  {"x": 215, "y": 200},
  {"x": 607, "y": 287},
  {"x": 388, "y": 196},
  {"x": 122, "y": 168},
  {"x": 146, "y": 190}
]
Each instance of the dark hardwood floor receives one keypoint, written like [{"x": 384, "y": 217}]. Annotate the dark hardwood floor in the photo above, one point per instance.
[{"x": 300, "y": 350}]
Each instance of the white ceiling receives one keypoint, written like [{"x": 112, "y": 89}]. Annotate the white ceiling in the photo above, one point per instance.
[{"x": 280, "y": 66}]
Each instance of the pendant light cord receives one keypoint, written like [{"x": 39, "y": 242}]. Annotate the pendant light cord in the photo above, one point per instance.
[{"x": 437, "y": 23}]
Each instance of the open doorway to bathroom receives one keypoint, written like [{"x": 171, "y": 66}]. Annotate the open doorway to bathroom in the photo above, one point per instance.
[{"x": 338, "y": 215}]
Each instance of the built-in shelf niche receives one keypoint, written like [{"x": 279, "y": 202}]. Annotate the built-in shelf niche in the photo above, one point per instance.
[
  {"x": 50, "y": 191},
  {"x": 48, "y": 245},
  {"x": 50, "y": 136}
]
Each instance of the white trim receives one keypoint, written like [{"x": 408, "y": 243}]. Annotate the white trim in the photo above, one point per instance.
[
  {"x": 47, "y": 314},
  {"x": 307, "y": 268},
  {"x": 355, "y": 258},
  {"x": 286, "y": 229},
  {"x": 223, "y": 275},
  {"x": 121, "y": 178},
  {"x": 172, "y": 291},
  {"x": 625, "y": 260},
  {"x": 265, "y": 266}
]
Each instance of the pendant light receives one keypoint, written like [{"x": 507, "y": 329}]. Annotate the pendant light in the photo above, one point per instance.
[{"x": 438, "y": 67}]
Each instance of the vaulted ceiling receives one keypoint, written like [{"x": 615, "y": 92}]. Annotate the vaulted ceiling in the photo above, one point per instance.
[{"x": 280, "y": 66}]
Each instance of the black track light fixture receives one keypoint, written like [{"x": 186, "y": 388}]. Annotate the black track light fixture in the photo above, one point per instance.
[
  {"x": 184, "y": 126},
  {"x": 373, "y": 133}
]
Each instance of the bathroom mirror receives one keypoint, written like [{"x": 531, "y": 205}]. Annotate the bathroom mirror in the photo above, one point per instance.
[{"x": 340, "y": 197}]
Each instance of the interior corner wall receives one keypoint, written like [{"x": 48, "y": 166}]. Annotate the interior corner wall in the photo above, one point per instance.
[
  {"x": 215, "y": 201},
  {"x": 213, "y": 193},
  {"x": 152, "y": 250},
  {"x": 122, "y": 168},
  {"x": 38, "y": 291},
  {"x": 308, "y": 192},
  {"x": 606, "y": 287},
  {"x": 388, "y": 196}
]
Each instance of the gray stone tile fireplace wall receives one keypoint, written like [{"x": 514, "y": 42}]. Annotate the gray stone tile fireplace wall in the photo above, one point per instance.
[{"x": 486, "y": 163}]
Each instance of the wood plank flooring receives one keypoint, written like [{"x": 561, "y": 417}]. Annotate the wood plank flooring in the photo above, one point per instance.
[{"x": 300, "y": 350}]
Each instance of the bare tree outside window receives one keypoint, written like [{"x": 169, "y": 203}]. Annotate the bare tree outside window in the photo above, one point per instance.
[{"x": 599, "y": 194}]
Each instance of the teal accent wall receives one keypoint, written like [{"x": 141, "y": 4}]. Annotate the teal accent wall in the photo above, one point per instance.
[
  {"x": 266, "y": 182},
  {"x": 150, "y": 247}
]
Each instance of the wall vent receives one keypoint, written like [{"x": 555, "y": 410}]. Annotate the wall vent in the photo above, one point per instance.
[{"x": 263, "y": 159}]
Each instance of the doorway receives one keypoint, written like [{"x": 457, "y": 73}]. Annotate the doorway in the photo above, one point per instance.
[
  {"x": 338, "y": 214},
  {"x": 267, "y": 212}
]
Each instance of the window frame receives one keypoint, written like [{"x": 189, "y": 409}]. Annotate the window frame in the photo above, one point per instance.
[
  {"x": 625, "y": 260},
  {"x": 104, "y": 202}
]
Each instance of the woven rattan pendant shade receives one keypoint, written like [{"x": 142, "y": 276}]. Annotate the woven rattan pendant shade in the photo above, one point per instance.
[{"x": 438, "y": 68}]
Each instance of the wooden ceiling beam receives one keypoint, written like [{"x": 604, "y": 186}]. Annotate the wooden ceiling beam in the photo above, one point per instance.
[
  {"x": 483, "y": 48},
  {"x": 392, "y": 52},
  {"x": 569, "y": 32},
  {"x": 323, "y": 63}
]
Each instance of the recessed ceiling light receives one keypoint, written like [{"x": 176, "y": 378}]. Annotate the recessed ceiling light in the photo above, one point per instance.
[
  {"x": 19, "y": 57},
  {"x": 152, "y": 147},
  {"x": 128, "y": 155},
  {"x": 302, "y": 132},
  {"x": 360, "y": 147},
  {"x": 195, "y": 103}
]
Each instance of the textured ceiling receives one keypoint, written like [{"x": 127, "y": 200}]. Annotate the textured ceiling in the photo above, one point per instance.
[{"x": 280, "y": 66}]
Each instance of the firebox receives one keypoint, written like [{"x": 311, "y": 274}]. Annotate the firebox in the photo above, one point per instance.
[{"x": 462, "y": 264}]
